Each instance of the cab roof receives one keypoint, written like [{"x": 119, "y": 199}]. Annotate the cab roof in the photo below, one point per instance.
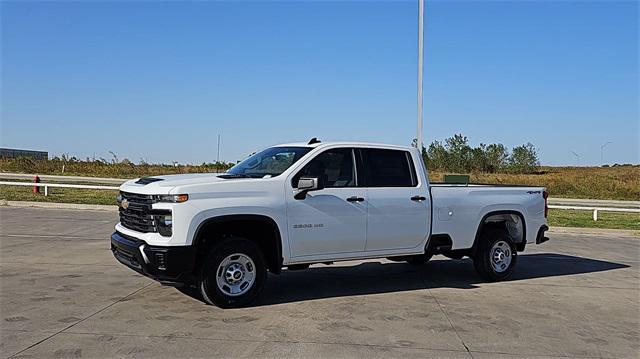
[{"x": 343, "y": 143}]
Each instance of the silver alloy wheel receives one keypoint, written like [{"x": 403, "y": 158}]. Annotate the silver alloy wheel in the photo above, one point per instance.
[
  {"x": 236, "y": 275},
  {"x": 501, "y": 255}
]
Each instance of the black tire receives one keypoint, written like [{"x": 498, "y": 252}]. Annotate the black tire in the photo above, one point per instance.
[
  {"x": 191, "y": 291},
  {"x": 419, "y": 259},
  {"x": 211, "y": 292},
  {"x": 483, "y": 257}
]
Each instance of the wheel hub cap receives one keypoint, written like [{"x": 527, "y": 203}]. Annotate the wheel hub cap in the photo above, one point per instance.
[
  {"x": 236, "y": 274},
  {"x": 501, "y": 256}
]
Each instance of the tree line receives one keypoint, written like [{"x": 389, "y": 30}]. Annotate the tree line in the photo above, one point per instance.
[{"x": 454, "y": 154}]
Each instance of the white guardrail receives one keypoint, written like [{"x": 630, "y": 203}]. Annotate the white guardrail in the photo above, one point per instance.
[
  {"x": 597, "y": 209},
  {"x": 113, "y": 188},
  {"x": 60, "y": 185}
]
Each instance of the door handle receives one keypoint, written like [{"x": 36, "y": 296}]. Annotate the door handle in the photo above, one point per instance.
[
  {"x": 355, "y": 199},
  {"x": 418, "y": 198}
]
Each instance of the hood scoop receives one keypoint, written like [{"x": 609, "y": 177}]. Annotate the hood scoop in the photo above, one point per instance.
[{"x": 147, "y": 180}]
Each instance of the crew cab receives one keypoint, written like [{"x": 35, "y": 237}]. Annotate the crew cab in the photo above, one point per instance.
[{"x": 293, "y": 205}]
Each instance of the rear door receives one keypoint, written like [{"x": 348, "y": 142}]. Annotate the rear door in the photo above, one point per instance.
[{"x": 399, "y": 207}]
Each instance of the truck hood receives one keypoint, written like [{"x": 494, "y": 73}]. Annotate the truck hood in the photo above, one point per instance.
[{"x": 164, "y": 184}]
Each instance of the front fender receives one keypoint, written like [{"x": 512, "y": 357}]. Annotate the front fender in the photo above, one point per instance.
[{"x": 242, "y": 212}]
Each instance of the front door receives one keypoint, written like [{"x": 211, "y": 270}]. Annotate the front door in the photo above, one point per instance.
[{"x": 332, "y": 220}]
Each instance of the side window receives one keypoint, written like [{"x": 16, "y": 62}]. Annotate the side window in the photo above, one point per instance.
[
  {"x": 335, "y": 168},
  {"x": 389, "y": 168}
]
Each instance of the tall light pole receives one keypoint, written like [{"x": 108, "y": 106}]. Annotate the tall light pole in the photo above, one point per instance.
[
  {"x": 577, "y": 157},
  {"x": 602, "y": 152},
  {"x": 420, "y": 70},
  {"x": 218, "y": 156}
]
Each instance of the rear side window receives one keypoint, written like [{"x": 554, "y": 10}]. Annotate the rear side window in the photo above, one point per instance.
[{"x": 389, "y": 168}]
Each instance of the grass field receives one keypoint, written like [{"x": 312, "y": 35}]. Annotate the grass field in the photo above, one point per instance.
[
  {"x": 563, "y": 218},
  {"x": 615, "y": 220},
  {"x": 60, "y": 195},
  {"x": 123, "y": 169},
  {"x": 621, "y": 182}
]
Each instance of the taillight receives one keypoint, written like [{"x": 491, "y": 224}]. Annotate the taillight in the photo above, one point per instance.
[{"x": 545, "y": 195}]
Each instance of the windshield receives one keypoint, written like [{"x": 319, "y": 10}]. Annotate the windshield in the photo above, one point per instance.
[{"x": 270, "y": 162}]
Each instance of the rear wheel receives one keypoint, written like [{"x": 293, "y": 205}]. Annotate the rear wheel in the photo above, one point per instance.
[
  {"x": 496, "y": 255},
  {"x": 233, "y": 274}
]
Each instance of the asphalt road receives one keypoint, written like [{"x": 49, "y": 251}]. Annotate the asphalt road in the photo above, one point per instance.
[{"x": 63, "y": 295}]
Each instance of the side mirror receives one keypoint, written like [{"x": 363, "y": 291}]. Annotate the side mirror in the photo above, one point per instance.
[{"x": 306, "y": 184}]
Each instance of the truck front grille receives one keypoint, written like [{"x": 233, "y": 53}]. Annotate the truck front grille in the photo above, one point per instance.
[{"x": 137, "y": 216}]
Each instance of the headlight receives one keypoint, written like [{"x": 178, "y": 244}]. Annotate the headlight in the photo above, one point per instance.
[{"x": 172, "y": 198}]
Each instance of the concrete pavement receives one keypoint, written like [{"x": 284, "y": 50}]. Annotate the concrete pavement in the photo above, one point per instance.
[{"x": 63, "y": 295}]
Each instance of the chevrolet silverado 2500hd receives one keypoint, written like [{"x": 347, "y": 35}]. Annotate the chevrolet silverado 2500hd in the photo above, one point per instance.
[{"x": 293, "y": 205}]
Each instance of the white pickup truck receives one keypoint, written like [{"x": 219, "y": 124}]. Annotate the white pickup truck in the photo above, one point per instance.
[{"x": 293, "y": 205}]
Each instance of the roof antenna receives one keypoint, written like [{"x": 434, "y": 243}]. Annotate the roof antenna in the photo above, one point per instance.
[{"x": 313, "y": 140}]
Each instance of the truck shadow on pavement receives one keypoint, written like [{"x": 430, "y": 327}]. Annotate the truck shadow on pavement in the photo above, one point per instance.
[{"x": 375, "y": 277}]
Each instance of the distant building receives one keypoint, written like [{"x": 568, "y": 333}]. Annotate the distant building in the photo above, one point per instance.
[{"x": 13, "y": 153}]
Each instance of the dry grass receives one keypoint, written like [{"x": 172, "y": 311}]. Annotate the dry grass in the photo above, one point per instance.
[
  {"x": 568, "y": 182},
  {"x": 101, "y": 169},
  {"x": 572, "y": 182}
]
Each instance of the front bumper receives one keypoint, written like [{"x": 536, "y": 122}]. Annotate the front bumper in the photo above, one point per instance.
[{"x": 168, "y": 265}]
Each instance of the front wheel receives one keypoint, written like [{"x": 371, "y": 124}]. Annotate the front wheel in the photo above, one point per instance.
[
  {"x": 496, "y": 255},
  {"x": 233, "y": 274}
]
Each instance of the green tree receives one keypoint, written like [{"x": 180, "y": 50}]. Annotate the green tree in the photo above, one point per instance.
[
  {"x": 437, "y": 156},
  {"x": 478, "y": 160},
  {"x": 459, "y": 153},
  {"x": 455, "y": 155},
  {"x": 524, "y": 159},
  {"x": 497, "y": 156}
]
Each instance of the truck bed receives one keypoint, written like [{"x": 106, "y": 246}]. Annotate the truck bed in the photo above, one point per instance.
[{"x": 457, "y": 205}]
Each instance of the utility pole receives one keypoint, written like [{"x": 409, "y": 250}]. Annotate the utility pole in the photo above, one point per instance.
[
  {"x": 420, "y": 71},
  {"x": 218, "y": 156},
  {"x": 602, "y": 152}
]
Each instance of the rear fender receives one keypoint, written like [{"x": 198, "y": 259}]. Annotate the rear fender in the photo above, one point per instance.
[{"x": 513, "y": 221}]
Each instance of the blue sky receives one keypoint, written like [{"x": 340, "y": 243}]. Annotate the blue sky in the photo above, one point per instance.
[{"x": 159, "y": 81}]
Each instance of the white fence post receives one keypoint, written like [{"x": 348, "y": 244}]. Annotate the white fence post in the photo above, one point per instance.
[
  {"x": 595, "y": 215},
  {"x": 46, "y": 191}
]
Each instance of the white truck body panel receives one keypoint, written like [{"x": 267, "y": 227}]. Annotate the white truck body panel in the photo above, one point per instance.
[{"x": 459, "y": 209}]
